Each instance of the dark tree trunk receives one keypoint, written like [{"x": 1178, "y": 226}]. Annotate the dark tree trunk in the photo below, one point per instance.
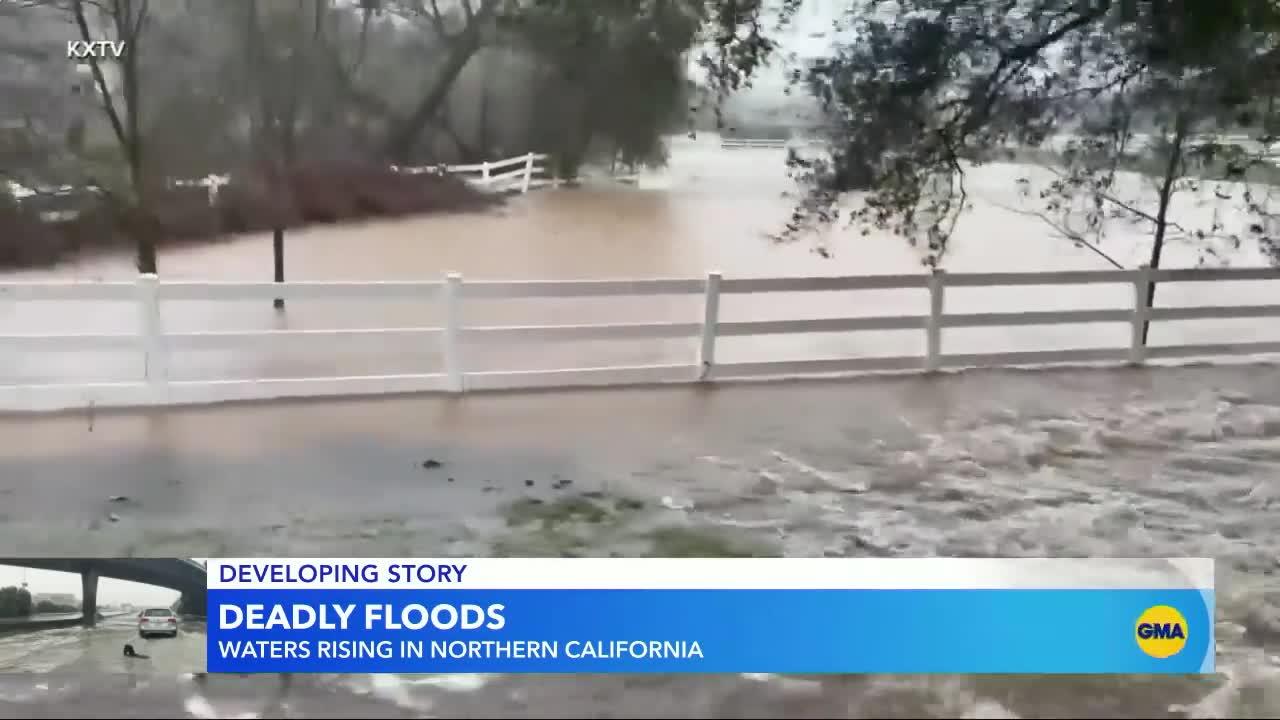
[
  {"x": 404, "y": 134},
  {"x": 147, "y": 234},
  {"x": 1162, "y": 224}
]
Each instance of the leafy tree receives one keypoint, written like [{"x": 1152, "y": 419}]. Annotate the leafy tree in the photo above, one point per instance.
[
  {"x": 50, "y": 607},
  {"x": 15, "y": 601},
  {"x": 920, "y": 90},
  {"x": 613, "y": 72}
]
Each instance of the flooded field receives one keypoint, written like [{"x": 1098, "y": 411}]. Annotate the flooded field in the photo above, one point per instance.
[{"x": 712, "y": 209}]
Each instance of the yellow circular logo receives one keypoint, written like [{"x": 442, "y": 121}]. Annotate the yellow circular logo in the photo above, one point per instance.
[{"x": 1161, "y": 631}]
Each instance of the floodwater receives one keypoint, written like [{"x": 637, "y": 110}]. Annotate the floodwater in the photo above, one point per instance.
[
  {"x": 710, "y": 210},
  {"x": 100, "y": 649},
  {"x": 1161, "y": 462},
  {"x": 1157, "y": 462}
]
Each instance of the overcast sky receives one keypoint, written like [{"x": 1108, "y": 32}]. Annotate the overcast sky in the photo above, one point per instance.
[
  {"x": 809, "y": 34},
  {"x": 110, "y": 590}
]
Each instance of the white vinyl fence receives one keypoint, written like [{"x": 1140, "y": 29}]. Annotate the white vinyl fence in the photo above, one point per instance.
[
  {"x": 517, "y": 173},
  {"x": 154, "y": 344}
]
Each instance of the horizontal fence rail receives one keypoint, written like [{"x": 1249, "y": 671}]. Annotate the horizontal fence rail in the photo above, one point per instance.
[
  {"x": 753, "y": 143},
  {"x": 522, "y": 172},
  {"x": 153, "y": 344}
]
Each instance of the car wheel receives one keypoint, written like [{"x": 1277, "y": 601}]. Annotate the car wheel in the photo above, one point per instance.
[{"x": 142, "y": 635}]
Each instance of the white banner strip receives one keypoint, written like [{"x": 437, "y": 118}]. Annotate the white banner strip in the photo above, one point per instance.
[{"x": 713, "y": 574}]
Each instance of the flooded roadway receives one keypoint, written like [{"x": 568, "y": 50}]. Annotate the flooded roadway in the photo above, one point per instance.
[
  {"x": 1161, "y": 462},
  {"x": 99, "y": 649},
  {"x": 1165, "y": 462}
]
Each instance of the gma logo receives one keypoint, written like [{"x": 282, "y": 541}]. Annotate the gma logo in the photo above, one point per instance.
[{"x": 1161, "y": 631}]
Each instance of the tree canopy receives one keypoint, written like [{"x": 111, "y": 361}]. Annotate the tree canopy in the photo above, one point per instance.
[
  {"x": 257, "y": 87},
  {"x": 918, "y": 90},
  {"x": 14, "y": 601},
  {"x": 915, "y": 93}
]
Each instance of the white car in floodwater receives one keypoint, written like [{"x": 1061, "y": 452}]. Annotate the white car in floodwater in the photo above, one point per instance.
[{"x": 157, "y": 621}]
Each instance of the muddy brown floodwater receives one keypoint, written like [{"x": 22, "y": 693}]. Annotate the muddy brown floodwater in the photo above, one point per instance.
[
  {"x": 711, "y": 210},
  {"x": 1084, "y": 462}
]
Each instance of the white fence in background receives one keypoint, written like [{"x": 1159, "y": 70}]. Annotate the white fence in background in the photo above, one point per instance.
[
  {"x": 154, "y": 344},
  {"x": 517, "y": 173},
  {"x": 742, "y": 143}
]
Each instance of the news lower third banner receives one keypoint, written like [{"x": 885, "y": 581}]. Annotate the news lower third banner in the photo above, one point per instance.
[{"x": 806, "y": 616}]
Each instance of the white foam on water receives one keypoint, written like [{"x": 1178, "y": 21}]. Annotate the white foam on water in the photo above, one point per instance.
[
  {"x": 454, "y": 682},
  {"x": 786, "y": 684},
  {"x": 199, "y": 707},
  {"x": 1142, "y": 477},
  {"x": 395, "y": 689}
]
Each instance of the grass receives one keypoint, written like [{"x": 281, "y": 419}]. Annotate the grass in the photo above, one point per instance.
[
  {"x": 573, "y": 526},
  {"x": 687, "y": 542},
  {"x": 577, "y": 508},
  {"x": 587, "y": 525}
]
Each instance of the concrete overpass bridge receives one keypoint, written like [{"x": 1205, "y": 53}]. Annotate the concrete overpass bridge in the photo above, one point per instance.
[{"x": 184, "y": 575}]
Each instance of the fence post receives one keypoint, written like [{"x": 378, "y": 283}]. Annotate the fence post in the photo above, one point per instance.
[
  {"x": 933, "y": 326},
  {"x": 451, "y": 295},
  {"x": 484, "y": 172},
  {"x": 277, "y": 254},
  {"x": 1142, "y": 281},
  {"x": 155, "y": 361},
  {"x": 528, "y": 172},
  {"x": 710, "y": 318}
]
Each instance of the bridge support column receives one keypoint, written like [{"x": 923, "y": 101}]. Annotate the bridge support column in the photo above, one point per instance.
[
  {"x": 89, "y": 595},
  {"x": 194, "y": 604}
]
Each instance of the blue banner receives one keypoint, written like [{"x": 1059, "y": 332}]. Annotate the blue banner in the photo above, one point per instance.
[{"x": 801, "y": 631}]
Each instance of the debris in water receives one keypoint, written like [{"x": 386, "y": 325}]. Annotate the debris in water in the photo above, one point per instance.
[
  {"x": 369, "y": 533},
  {"x": 671, "y": 503},
  {"x": 450, "y": 480},
  {"x": 431, "y": 464},
  {"x": 629, "y": 504},
  {"x": 528, "y": 483},
  {"x": 767, "y": 484},
  {"x": 1235, "y": 397},
  {"x": 831, "y": 480},
  {"x": 113, "y": 517},
  {"x": 118, "y": 498}
]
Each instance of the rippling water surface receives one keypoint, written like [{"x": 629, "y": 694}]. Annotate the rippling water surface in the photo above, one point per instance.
[{"x": 1164, "y": 462}]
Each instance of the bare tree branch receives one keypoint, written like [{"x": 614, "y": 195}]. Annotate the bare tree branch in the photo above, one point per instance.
[
  {"x": 1063, "y": 231},
  {"x": 437, "y": 20},
  {"x": 1136, "y": 212}
]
